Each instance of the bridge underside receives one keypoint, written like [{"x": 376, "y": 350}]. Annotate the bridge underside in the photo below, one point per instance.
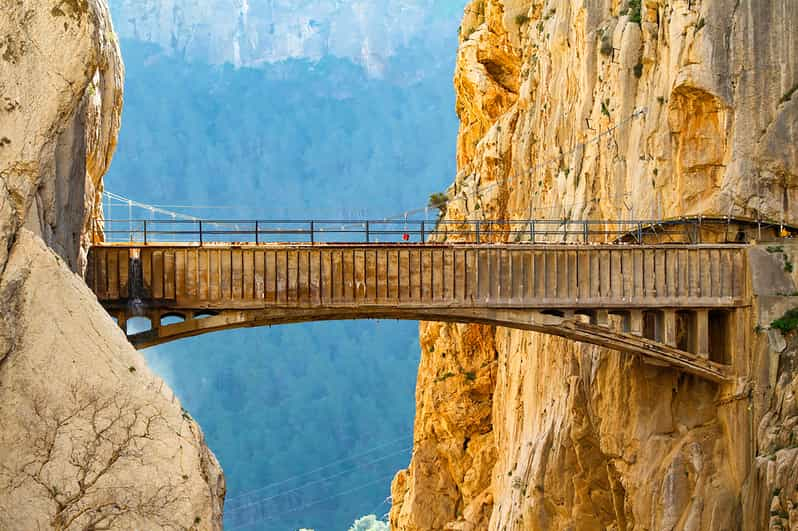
[{"x": 622, "y": 331}]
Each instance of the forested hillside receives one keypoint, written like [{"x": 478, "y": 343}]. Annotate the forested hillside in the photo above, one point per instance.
[{"x": 298, "y": 138}]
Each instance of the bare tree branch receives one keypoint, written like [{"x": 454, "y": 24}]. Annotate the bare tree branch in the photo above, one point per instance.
[{"x": 76, "y": 450}]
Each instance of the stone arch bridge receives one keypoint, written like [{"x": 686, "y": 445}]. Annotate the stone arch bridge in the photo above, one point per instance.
[{"x": 674, "y": 305}]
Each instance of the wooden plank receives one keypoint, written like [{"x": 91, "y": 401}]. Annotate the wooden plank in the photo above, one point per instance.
[
  {"x": 550, "y": 275},
  {"x": 684, "y": 273},
  {"x": 280, "y": 276},
  {"x": 337, "y": 276},
  {"x": 671, "y": 271},
  {"x": 260, "y": 275},
  {"x": 715, "y": 279},
  {"x": 359, "y": 263},
  {"x": 639, "y": 274},
  {"x": 739, "y": 274},
  {"x": 157, "y": 274},
  {"x": 102, "y": 276},
  {"x": 370, "y": 275},
  {"x": 170, "y": 274},
  {"x": 203, "y": 275},
  {"x": 247, "y": 274},
  {"x": 327, "y": 275},
  {"x": 539, "y": 273},
  {"x": 236, "y": 274},
  {"x": 124, "y": 273},
  {"x": 627, "y": 271},
  {"x": 563, "y": 288},
  {"x": 471, "y": 275},
  {"x": 694, "y": 275},
  {"x": 573, "y": 278},
  {"x": 180, "y": 274},
  {"x": 112, "y": 279},
  {"x": 529, "y": 277},
  {"x": 483, "y": 278},
  {"x": 302, "y": 277},
  {"x": 447, "y": 275},
  {"x": 315, "y": 276},
  {"x": 226, "y": 266},
  {"x": 649, "y": 274},
  {"x": 270, "y": 276},
  {"x": 660, "y": 282},
  {"x": 393, "y": 275},
  {"x": 145, "y": 258},
  {"x": 616, "y": 274},
  {"x": 291, "y": 275}
]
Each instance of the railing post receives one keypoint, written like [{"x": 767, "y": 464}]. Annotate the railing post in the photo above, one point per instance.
[
  {"x": 257, "y": 233},
  {"x": 532, "y": 231},
  {"x": 477, "y": 231},
  {"x": 639, "y": 233},
  {"x": 367, "y": 232},
  {"x": 423, "y": 236},
  {"x": 200, "y": 233},
  {"x": 145, "y": 232},
  {"x": 312, "y": 232},
  {"x": 585, "y": 230}
]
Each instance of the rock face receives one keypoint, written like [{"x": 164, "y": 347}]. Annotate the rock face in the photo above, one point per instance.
[
  {"x": 90, "y": 438},
  {"x": 612, "y": 110}
]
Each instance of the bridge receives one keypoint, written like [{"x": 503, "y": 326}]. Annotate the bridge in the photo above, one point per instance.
[{"x": 673, "y": 304}]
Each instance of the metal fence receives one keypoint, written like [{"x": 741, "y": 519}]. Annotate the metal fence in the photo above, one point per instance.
[{"x": 684, "y": 230}]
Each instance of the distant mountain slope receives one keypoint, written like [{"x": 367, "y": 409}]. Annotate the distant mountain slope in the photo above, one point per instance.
[
  {"x": 298, "y": 138},
  {"x": 257, "y": 32}
]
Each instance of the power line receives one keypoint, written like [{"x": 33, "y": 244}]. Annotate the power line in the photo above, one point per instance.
[
  {"x": 315, "y": 502},
  {"x": 315, "y": 470},
  {"x": 321, "y": 480},
  {"x": 163, "y": 209}
]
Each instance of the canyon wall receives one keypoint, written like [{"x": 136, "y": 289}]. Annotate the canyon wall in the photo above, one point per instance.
[
  {"x": 89, "y": 437},
  {"x": 607, "y": 109}
]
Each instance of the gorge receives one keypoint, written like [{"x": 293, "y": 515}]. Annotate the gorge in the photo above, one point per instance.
[{"x": 604, "y": 109}]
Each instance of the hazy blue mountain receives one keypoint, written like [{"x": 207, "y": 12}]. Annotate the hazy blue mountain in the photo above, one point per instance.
[
  {"x": 254, "y": 33},
  {"x": 308, "y": 421}
]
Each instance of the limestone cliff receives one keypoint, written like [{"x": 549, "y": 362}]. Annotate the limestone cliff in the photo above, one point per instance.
[
  {"x": 90, "y": 438},
  {"x": 609, "y": 109}
]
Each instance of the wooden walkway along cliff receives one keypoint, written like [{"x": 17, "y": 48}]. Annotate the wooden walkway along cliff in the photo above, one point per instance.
[{"x": 673, "y": 304}]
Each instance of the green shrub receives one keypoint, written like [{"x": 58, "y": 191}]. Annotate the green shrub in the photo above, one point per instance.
[
  {"x": 521, "y": 19},
  {"x": 787, "y": 322},
  {"x": 438, "y": 200},
  {"x": 638, "y": 70},
  {"x": 634, "y": 11}
]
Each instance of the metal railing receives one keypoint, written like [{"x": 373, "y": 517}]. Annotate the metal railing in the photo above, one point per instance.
[{"x": 683, "y": 230}]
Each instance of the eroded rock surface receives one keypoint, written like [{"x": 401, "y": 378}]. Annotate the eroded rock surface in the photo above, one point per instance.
[
  {"x": 89, "y": 438},
  {"x": 611, "y": 110}
]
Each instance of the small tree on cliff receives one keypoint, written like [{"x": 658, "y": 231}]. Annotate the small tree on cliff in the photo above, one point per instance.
[{"x": 76, "y": 453}]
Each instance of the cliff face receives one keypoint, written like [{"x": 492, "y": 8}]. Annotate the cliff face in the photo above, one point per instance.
[
  {"x": 89, "y": 436},
  {"x": 612, "y": 110}
]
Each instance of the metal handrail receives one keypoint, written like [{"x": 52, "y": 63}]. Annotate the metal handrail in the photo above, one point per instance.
[{"x": 686, "y": 230}]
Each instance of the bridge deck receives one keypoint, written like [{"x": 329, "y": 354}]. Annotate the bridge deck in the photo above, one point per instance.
[
  {"x": 423, "y": 276},
  {"x": 663, "y": 294}
]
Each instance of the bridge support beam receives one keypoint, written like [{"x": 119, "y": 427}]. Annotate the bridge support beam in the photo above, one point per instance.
[
  {"x": 669, "y": 328},
  {"x": 702, "y": 333},
  {"x": 636, "y": 323}
]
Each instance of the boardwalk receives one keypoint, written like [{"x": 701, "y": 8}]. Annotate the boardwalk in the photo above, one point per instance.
[{"x": 664, "y": 302}]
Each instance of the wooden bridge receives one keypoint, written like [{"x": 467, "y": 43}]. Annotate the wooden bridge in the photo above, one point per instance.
[{"x": 672, "y": 304}]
